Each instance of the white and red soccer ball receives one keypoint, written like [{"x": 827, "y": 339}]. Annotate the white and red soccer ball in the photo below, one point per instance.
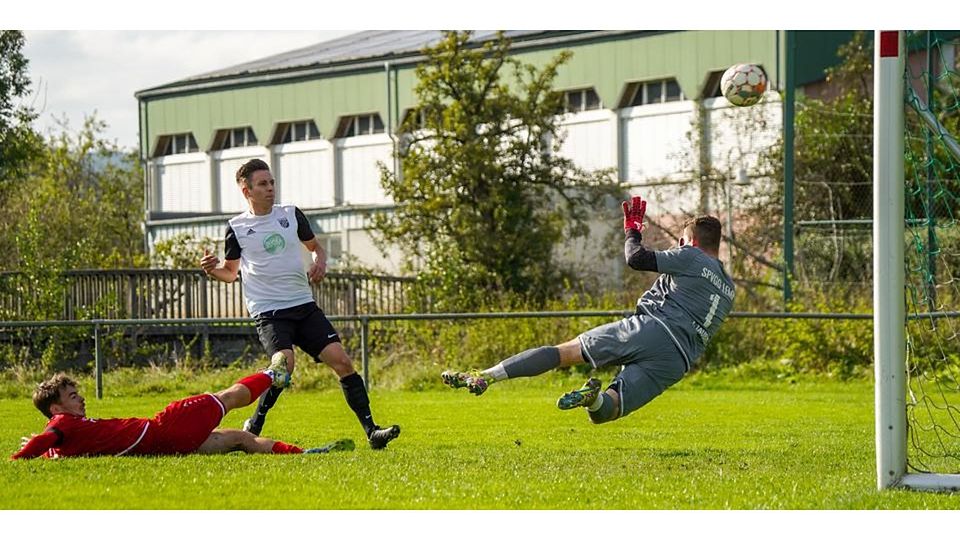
[{"x": 743, "y": 84}]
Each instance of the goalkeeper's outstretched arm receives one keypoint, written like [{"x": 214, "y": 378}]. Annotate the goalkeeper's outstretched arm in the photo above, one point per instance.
[{"x": 636, "y": 256}]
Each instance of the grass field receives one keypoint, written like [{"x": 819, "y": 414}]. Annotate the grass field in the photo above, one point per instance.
[{"x": 708, "y": 443}]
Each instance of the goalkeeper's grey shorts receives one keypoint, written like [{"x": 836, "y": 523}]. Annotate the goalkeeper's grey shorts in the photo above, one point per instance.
[{"x": 650, "y": 360}]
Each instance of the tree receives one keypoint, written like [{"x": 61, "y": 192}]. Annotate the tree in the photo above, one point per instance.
[
  {"x": 79, "y": 204},
  {"x": 19, "y": 142},
  {"x": 484, "y": 197}
]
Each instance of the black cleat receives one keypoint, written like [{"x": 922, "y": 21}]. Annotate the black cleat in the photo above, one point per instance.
[
  {"x": 379, "y": 437},
  {"x": 251, "y": 426}
]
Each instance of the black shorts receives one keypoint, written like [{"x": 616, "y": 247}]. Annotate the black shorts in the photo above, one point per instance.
[{"x": 304, "y": 326}]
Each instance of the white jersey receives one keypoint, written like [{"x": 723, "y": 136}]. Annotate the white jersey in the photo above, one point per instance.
[{"x": 271, "y": 262}]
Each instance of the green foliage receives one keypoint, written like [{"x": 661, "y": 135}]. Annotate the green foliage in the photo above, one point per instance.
[
  {"x": 79, "y": 205},
  {"x": 484, "y": 198},
  {"x": 76, "y": 205},
  {"x": 790, "y": 347},
  {"x": 19, "y": 142},
  {"x": 181, "y": 251}
]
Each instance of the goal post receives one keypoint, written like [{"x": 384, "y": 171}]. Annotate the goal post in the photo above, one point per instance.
[
  {"x": 916, "y": 264},
  {"x": 889, "y": 336}
]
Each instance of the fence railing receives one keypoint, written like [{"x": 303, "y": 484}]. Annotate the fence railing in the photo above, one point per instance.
[{"x": 187, "y": 294}]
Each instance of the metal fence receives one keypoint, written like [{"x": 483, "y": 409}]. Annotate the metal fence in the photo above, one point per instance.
[{"x": 187, "y": 294}]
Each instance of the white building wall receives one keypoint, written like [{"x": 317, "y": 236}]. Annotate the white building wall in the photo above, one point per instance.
[
  {"x": 184, "y": 183},
  {"x": 359, "y": 175},
  {"x": 655, "y": 140},
  {"x": 590, "y": 139},
  {"x": 304, "y": 174},
  {"x": 738, "y": 134},
  {"x": 652, "y": 144}
]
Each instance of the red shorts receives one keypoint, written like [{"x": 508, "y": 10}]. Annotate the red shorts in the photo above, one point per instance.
[{"x": 183, "y": 426}]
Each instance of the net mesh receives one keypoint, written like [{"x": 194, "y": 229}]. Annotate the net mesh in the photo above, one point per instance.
[{"x": 932, "y": 252}]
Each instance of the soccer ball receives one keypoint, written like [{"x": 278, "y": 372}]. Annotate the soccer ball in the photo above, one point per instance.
[{"x": 743, "y": 84}]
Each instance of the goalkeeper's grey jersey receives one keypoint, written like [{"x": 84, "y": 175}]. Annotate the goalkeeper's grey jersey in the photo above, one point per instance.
[{"x": 690, "y": 299}]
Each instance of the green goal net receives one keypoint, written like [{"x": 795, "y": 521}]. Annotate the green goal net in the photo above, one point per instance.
[{"x": 932, "y": 252}]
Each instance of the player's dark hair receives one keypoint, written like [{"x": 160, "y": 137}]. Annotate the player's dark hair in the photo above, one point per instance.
[
  {"x": 245, "y": 172},
  {"x": 706, "y": 230},
  {"x": 48, "y": 392}
]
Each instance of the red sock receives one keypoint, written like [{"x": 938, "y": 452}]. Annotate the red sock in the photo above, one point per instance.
[
  {"x": 284, "y": 448},
  {"x": 257, "y": 383}
]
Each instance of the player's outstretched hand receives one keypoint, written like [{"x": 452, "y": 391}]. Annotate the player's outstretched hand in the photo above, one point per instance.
[{"x": 633, "y": 212}]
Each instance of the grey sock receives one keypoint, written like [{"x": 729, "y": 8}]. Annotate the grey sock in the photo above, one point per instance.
[
  {"x": 532, "y": 362},
  {"x": 606, "y": 412}
]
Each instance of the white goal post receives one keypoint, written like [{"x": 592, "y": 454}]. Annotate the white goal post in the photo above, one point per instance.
[{"x": 889, "y": 302}]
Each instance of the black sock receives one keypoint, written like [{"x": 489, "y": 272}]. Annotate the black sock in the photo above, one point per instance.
[
  {"x": 606, "y": 412},
  {"x": 267, "y": 400},
  {"x": 356, "y": 395}
]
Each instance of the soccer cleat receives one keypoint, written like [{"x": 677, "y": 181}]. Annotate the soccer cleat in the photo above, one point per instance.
[
  {"x": 253, "y": 427},
  {"x": 584, "y": 397},
  {"x": 278, "y": 366},
  {"x": 472, "y": 380},
  {"x": 379, "y": 437},
  {"x": 339, "y": 445}
]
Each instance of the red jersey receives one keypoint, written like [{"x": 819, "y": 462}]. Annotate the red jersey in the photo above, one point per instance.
[
  {"x": 82, "y": 436},
  {"x": 180, "y": 428}
]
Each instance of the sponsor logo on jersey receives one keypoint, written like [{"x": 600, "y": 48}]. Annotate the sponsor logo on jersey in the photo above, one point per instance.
[
  {"x": 284, "y": 222},
  {"x": 274, "y": 243},
  {"x": 250, "y": 231}
]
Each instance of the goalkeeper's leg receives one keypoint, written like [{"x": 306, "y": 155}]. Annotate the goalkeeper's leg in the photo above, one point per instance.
[{"x": 529, "y": 363}]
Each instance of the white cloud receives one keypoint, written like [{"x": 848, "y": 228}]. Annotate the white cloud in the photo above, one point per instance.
[{"x": 78, "y": 72}]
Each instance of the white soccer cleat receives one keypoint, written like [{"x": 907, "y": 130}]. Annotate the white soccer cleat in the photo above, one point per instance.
[{"x": 278, "y": 369}]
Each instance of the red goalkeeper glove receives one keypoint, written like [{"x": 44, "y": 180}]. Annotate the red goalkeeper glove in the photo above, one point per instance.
[{"x": 633, "y": 212}]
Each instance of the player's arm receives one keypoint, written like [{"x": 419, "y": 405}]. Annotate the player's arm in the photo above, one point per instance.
[
  {"x": 229, "y": 268},
  {"x": 318, "y": 269},
  {"x": 38, "y": 444},
  {"x": 636, "y": 256}
]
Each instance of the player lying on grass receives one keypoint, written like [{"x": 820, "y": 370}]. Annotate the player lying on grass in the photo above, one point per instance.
[
  {"x": 184, "y": 427},
  {"x": 655, "y": 346}
]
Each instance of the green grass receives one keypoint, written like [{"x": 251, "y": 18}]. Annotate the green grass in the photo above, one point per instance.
[{"x": 708, "y": 443}]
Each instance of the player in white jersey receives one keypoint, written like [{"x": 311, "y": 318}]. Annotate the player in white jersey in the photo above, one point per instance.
[
  {"x": 263, "y": 247},
  {"x": 657, "y": 345}
]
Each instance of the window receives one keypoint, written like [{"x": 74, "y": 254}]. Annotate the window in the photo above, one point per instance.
[
  {"x": 181, "y": 143},
  {"x": 415, "y": 118},
  {"x": 234, "y": 138},
  {"x": 662, "y": 91},
  {"x": 332, "y": 244},
  {"x": 582, "y": 100},
  {"x": 303, "y": 130},
  {"x": 363, "y": 124}
]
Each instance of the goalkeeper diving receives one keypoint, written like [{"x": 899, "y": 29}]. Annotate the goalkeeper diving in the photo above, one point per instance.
[{"x": 656, "y": 346}]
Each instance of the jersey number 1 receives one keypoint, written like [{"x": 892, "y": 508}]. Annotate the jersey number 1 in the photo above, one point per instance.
[{"x": 714, "y": 302}]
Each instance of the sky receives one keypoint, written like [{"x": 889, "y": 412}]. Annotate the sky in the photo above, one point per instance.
[{"x": 77, "y": 73}]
